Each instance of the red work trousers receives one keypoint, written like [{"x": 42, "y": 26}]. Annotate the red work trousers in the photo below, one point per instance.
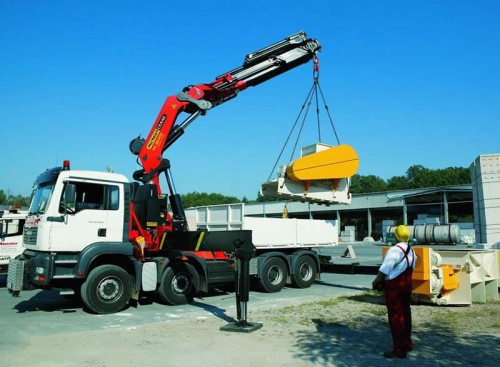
[{"x": 397, "y": 300}]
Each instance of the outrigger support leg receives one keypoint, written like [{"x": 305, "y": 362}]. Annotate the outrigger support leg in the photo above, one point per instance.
[{"x": 244, "y": 251}]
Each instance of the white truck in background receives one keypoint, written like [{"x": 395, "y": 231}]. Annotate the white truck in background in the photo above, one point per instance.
[
  {"x": 11, "y": 235},
  {"x": 286, "y": 248}
]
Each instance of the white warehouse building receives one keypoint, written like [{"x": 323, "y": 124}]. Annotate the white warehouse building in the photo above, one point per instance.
[{"x": 368, "y": 215}]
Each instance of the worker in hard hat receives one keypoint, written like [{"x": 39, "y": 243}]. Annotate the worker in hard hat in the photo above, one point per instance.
[{"x": 394, "y": 277}]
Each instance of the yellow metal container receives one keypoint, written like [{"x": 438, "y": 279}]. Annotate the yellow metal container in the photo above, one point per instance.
[{"x": 336, "y": 162}]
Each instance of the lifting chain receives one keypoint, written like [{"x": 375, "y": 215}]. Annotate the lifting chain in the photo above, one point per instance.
[{"x": 313, "y": 92}]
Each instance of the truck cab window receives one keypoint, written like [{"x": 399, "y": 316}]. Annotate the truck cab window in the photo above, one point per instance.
[
  {"x": 41, "y": 197},
  {"x": 92, "y": 196},
  {"x": 113, "y": 197},
  {"x": 88, "y": 196},
  {"x": 11, "y": 227}
]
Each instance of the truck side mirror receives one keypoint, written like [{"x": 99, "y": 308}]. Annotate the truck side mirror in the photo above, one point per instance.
[{"x": 69, "y": 194}]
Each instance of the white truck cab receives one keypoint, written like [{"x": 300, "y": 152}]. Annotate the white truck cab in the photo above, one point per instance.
[
  {"x": 95, "y": 213},
  {"x": 74, "y": 218}
]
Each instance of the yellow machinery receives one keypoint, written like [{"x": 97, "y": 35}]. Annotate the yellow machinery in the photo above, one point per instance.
[
  {"x": 454, "y": 277},
  {"x": 332, "y": 163},
  {"x": 321, "y": 175}
]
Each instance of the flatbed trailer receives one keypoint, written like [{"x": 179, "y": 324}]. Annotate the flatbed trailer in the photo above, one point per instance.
[{"x": 286, "y": 248}]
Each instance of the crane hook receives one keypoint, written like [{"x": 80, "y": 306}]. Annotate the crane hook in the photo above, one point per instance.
[{"x": 315, "y": 68}]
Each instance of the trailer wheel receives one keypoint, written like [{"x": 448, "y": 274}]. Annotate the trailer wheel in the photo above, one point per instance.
[
  {"x": 179, "y": 284},
  {"x": 106, "y": 290},
  {"x": 304, "y": 272},
  {"x": 273, "y": 276}
]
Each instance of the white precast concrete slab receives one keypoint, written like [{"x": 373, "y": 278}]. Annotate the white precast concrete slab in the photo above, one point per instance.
[
  {"x": 485, "y": 174},
  {"x": 280, "y": 233}
]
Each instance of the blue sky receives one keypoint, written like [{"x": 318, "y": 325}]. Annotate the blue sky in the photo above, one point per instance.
[{"x": 406, "y": 82}]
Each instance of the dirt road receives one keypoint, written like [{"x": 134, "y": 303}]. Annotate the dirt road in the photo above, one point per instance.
[{"x": 341, "y": 331}]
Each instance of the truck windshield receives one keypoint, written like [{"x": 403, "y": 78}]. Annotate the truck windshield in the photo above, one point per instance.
[{"x": 41, "y": 198}]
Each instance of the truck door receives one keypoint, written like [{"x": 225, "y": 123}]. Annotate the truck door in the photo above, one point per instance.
[
  {"x": 95, "y": 217},
  {"x": 115, "y": 214}
]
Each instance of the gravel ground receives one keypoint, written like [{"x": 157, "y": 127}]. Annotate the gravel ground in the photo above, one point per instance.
[{"x": 343, "y": 331}]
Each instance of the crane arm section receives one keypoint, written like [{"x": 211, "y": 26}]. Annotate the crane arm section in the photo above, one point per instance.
[{"x": 257, "y": 67}]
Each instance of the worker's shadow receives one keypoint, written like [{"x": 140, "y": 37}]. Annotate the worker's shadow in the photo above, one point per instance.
[
  {"x": 343, "y": 286},
  {"x": 340, "y": 343},
  {"x": 360, "y": 340}
]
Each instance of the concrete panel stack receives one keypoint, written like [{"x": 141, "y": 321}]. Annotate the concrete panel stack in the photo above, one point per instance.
[
  {"x": 425, "y": 219},
  {"x": 348, "y": 234},
  {"x": 485, "y": 175}
]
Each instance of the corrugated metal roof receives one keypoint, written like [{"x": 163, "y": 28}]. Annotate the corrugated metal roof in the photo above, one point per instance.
[{"x": 389, "y": 199}]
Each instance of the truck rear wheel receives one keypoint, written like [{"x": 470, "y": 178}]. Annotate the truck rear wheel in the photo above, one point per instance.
[
  {"x": 107, "y": 289},
  {"x": 179, "y": 284},
  {"x": 273, "y": 276},
  {"x": 304, "y": 272}
]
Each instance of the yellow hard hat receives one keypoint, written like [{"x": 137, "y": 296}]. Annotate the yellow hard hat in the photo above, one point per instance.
[{"x": 402, "y": 233}]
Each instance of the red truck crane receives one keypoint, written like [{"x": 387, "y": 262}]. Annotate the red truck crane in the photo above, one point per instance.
[
  {"x": 257, "y": 67},
  {"x": 98, "y": 235}
]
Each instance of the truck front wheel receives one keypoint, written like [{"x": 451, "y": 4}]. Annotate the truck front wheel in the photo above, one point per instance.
[
  {"x": 107, "y": 289},
  {"x": 179, "y": 284},
  {"x": 273, "y": 276}
]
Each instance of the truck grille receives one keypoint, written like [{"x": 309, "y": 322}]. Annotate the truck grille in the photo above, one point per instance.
[
  {"x": 15, "y": 275},
  {"x": 29, "y": 237}
]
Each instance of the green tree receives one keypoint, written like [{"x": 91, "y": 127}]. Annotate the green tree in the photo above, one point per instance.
[
  {"x": 398, "y": 183},
  {"x": 6, "y": 199},
  {"x": 366, "y": 184},
  {"x": 451, "y": 176},
  {"x": 419, "y": 176},
  {"x": 195, "y": 198},
  {"x": 18, "y": 200}
]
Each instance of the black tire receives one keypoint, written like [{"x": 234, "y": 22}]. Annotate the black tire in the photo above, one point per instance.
[
  {"x": 107, "y": 289},
  {"x": 304, "y": 272},
  {"x": 179, "y": 284},
  {"x": 273, "y": 275}
]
